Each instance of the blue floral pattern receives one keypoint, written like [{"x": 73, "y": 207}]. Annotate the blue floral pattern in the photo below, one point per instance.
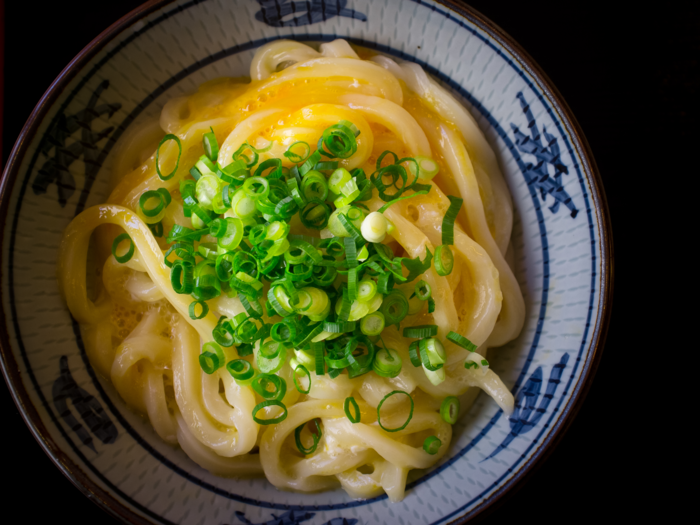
[
  {"x": 89, "y": 409},
  {"x": 76, "y": 129},
  {"x": 272, "y": 12},
  {"x": 294, "y": 518},
  {"x": 549, "y": 155},
  {"x": 526, "y": 415}
]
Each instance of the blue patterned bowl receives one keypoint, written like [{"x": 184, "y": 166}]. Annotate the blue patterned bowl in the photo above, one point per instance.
[{"x": 561, "y": 240}]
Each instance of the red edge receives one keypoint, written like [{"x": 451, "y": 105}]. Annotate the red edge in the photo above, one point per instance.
[{"x": 112, "y": 505}]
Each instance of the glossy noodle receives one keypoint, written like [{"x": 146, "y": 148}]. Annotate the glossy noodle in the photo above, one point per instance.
[{"x": 149, "y": 340}]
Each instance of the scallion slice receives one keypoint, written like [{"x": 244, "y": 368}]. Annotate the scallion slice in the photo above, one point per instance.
[
  {"x": 240, "y": 369},
  {"x": 304, "y": 371},
  {"x": 387, "y": 364},
  {"x": 420, "y": 331},
  {"x": 414, "y": 353},
  {"x": 202, "y": 313},
  {"x": 372, "y": 324},
  {"x": 444, "y": 260},
  {"x": 379, "y": 408},
  {"x": 271, "y": 421},
  {"x": 212, "y": 358},
  {"x": 431, "y": 445},
  {"x": 165, "y": 139},
  {"x": 129, "y": 252},
  {"x": 423, "y": 290},
  {"x": 449, "y": 409},
  {"x": 394, "y": 307},
  {"x": 315, "y": 435},
  {"x": 462, "y": 341},
  {"x": 298, "y": 152},
  {"x": 262, "y": 383},
  {"x": 448, "y": 222},
  {"x": 211, "y": 146},
  {"x": 354, "y": 418}
]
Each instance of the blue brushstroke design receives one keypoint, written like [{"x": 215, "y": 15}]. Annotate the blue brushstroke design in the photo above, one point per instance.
[
  {"x": 273, "y": 11},
  {"x": 525, "y": 416},
  {"x": 89, "y": 409},
  {"x": 55, "y": 169},
  {"x": 294, "y": 518},
  {"x": 538, "y": 175}
]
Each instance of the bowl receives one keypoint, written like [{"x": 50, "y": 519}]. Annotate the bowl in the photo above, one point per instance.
[{"x": 561, "y": 241}]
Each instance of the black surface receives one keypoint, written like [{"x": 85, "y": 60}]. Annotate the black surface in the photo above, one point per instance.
[{"x": 631, "y": 81}]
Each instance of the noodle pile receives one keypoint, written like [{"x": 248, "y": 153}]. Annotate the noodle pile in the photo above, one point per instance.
[{"x": 138, "y": 330}]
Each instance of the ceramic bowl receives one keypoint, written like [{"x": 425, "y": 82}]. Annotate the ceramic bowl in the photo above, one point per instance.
[{"x": 165, "y": 49}]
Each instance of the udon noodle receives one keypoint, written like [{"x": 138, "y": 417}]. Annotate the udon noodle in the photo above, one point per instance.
[{"x": 169, "y": 350}]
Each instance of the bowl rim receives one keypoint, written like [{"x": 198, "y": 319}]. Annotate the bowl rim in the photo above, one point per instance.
[{"x": 110, "y": 503}]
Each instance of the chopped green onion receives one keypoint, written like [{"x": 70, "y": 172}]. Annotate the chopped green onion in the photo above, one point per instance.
[
  {"x": 304, "y": 371},
  {"x": 318, "y": 351},
  {"x": 420, "y": 331},
  {"x": 426, "y": 167},
  {"x": 314, "y": 186},
  {"x": 432, "y": 353},
  {"x": 165, "y": 139},
  {"x": 261, "y": 385},
  {"x": 431, "y": 305},
  {"x": 315, "y": 214},
  {"x": 354, "y": 418},
  {"x": 315, "y": 435},
  {"x": 240, "y": 369},
  {"x": 366, "y": 289},
  {"x": 272, "y": 357},
  {"x": 448, "y": 222},
  {"x": 387, "y": 364},
  {"x": 129, "y": 252},
  {"x": 423, "y": 290},
  {"x": 212, "y": 358},
  {"x": 272, "y": 421},
  {"x": 303, "y": 150},
  {"x": 462, "y": 341},
  {"x": 256, "y": 188},
  {"x": 211, "y": 146},
  {"x": 444, "y": 260},
  {"x": 394, "y": 307},
  {"x": 374, "y": 227},
  {"x": 372, "y": 324},
  {"x": 449, "y": 409},
  {"x": 154, "y": 214},
  {"x": 431, "y": 445},
  {"x": 414, "y": 353},
  {"x": 379, "y": 407},
  {"x": 182, "y": 276},
  {"x": 203, "y": 312},
  {"x": 338, "y": 141},
  {"x": 475, "y": 360}
]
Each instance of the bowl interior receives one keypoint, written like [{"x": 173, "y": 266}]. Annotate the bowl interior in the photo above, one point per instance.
[{"x": 62, "y": 167}]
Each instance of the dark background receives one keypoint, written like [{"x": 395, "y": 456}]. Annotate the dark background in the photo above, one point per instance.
[{"x": 631, "y": 79}]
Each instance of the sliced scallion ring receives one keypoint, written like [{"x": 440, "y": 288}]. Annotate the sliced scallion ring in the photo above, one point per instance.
[
  {"x": 165, "y": 139},
  {"x": 240, "y": 369},
  {"x": 449, "y": 409},
  {"x": 212, "y": 358},
  {"x": 444, "y": 260},
  {"x": 431, "y": 445},
  {"x": 271, "y": 421},
  {"x": 316, "y": 435},
  {"x": 304, "y": 371},
  {"x": 129, "y": 252},
  {"x": 379, "y": 408},
  {"x": 354, "y": 418},
  {"x": 204, "y": 310}
]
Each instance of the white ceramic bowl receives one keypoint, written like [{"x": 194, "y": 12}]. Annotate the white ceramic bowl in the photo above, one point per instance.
[{"x": 561, "y": 240}]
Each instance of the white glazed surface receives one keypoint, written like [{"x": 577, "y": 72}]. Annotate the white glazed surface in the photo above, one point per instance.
[{"x": 557, "y": 259}]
